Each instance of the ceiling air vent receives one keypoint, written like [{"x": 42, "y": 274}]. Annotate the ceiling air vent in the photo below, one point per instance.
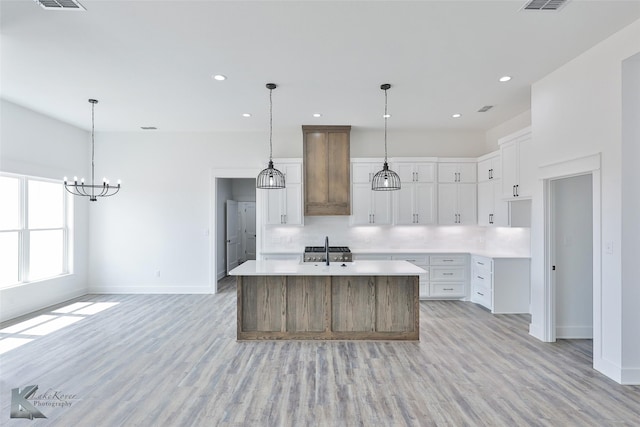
[
  {"x": 544, "y": 4},
  {"x": 485, "y": 109},
  {"x": 60, "y": 4}
]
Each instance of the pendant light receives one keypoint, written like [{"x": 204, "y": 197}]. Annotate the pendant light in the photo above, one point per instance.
[
  {"x": 270, "y": 178},
  {"x": 91, "y": 191},
  {"x": 386, "y": 179}
]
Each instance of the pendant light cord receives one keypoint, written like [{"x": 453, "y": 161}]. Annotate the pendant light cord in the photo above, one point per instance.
[
  {"x": 385, "y": 125},
  {"x": 270, "y": 124},
  {"x": 93, "y": 146}
]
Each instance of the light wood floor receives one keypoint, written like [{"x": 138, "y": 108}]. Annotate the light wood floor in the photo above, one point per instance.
[{"x": 172, "y": 360}]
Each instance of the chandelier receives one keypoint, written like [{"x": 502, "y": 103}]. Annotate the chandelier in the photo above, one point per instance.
[
  {"x": 270, "y": 178},
  {"x": 386, "y": 179},
  {"x": 92, "y": 191}
]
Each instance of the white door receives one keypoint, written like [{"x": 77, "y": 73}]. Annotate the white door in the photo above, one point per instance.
[
  {"x": 361, "y": 204},
  {"x": 447, "y": 203},
  {"x": 425, "y": 203},
  {"x": 509, "y": 155},
  {"x": 232, "y": 235},
  {"x": 381, "y": 207},
  {"x": 467, "y": 204},
  {"x": 250, "y": 230},
  {"x": 485, "y": 202},
  {"x": 405, "y": 213},
  {"x": 500, "y": 207}
]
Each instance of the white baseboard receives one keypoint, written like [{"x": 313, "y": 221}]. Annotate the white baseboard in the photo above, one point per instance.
[
  {"x": 574, "y": 332},
  {"x": 608, "y": 368},
  {"x": 630, "y": 376},
  {"x": 536, "y": 331},
  {"x": 151, "y": 290},
  {"x": 221, "y": 274}
]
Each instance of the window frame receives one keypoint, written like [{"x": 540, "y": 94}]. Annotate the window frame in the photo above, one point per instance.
[{"x": 24, "y": 231}]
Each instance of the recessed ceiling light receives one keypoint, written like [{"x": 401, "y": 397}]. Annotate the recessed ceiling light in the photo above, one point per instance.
[
  {"x": 317, "y": 115},
  {"x": 246, "y": 115},
  {"x": 456, "y": 115},
  {"x": 386, "y": 116},
  {"x": 505, "y": 78},
  {"x": 219, "y": 77},
  {"x": 148, "y": 128}
]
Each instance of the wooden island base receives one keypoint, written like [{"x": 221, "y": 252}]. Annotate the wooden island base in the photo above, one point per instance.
[{"x": 328, "y": 307}]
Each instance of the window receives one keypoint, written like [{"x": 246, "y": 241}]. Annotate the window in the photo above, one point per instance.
[{"x": 34, "y": 230}]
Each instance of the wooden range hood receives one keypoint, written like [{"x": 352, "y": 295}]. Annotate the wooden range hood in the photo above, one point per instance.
[{"x": 327, "y": 172}]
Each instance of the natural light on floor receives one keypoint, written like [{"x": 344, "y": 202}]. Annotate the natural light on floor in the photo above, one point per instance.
[{"x": 24, "y": 332}]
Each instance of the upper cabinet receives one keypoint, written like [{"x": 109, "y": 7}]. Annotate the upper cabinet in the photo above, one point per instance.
[
  {"x": 489, "y": 167},
  {"x": 457, "y": 172},
  {"x": 326, "y": 170},
  {"x": 492, "y": 209},
  {"x": 284, "y": 206},
  {"x": 369, "y": 207},
  {"x": 517, "y": 167},
  {"x": 457, "y": 193},
  {"x": 414, "y": 203}
]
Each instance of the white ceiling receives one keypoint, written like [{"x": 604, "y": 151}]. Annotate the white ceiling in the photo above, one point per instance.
[{"x": 150, "y": 62}]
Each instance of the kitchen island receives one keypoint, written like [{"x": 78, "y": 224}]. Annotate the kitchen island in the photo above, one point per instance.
[{"x": 363, "y": 300}]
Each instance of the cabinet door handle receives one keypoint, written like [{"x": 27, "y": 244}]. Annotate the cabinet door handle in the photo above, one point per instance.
[
  {"x": 480, "y": 277},
  {"x": 373, "y": 218},
  {"x": 478, "y": 262},
  {"x": 517, "y": 190},
  {"x": 417, "y": 218},
  {"x": 285, "y": 218},
  {"x": 514, "y": 191},
  {"x": 447, "y": 274},
  {"x": 447, "y": 289},
  {"x": 480, "y": 293},
  {"x": 447, "y": 260},
  {"x": 490, "y": 218}
]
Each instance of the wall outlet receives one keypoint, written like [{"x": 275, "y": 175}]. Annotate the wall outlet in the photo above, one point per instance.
[{"x": 608, "y": 247}]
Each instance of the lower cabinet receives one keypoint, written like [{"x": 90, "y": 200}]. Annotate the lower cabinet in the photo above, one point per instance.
[
  {"x": 448, "y": 276},
  {"x": 501, "y": 284}
]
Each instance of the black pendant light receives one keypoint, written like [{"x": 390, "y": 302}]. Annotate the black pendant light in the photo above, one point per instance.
[
  {"x": 386, "y": 179},
  {"x": 92, "y": 191},
  {"x": 270, "y": 178}
]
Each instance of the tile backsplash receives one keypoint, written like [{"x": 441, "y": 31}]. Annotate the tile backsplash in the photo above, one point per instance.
[{"x": 514, "y": 241}]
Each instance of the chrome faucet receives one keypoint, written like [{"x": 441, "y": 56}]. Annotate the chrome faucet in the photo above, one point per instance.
[{"x": 326, "y": 249}]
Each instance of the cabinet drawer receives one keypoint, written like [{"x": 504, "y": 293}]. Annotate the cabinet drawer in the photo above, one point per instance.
[
  {"x": 481, "y": 296},
  {"x": 482, "y": 263},
  {"x": 447, "y": 290},
  {"x": 420, "y": 260},
  {"x": 447, "y": 274},
  {"x": 448, "y": 259},
  {"x": 481, "y": 278}
]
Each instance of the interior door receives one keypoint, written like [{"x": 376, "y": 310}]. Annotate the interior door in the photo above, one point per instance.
[
  {"x": 232, "y": 235},
  {"x": 572, "y": 256},
  {"x": 250, "y": 230}
]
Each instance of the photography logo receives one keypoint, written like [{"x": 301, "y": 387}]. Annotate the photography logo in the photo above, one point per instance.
[{"x": 21, "y": 407}]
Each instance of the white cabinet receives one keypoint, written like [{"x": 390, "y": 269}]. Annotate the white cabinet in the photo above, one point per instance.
[
  {"x": 284, "y": 206},
  {"x": 448, "y": 276},
  {"x": 489, "y": 167},
  {"x": 492, "y": 209},
  {"x": 501, "y": 284},
  {"x": 457, "y": 204},
  {"x": 368, "y": 207},
  {"x": 457, "y": 172},
  {"x": 415, "y": 202},
  {"x": 517, "y": 166},
  {"x": 421, "y": 261}
]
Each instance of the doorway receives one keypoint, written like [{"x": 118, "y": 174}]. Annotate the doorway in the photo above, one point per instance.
[{"x": 571, "y": 245}]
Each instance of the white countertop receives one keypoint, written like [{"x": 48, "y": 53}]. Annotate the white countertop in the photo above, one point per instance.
[{"x": 357, "y": 268}]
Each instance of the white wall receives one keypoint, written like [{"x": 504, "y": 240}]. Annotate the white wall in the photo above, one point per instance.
[
  {"x": 576, "y": 111},
  {"x": 37, "y": 145},
  {"x": 630, "y": 247}
]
